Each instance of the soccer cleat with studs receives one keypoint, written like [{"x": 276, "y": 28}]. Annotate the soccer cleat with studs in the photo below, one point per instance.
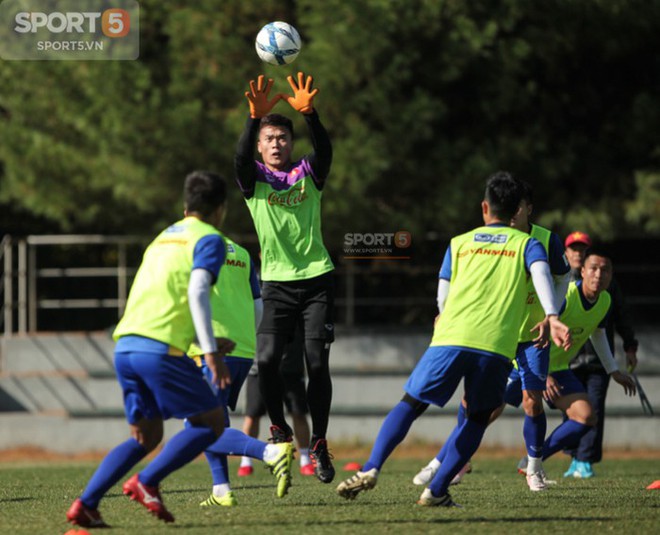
[
  {"x": 426, "y": 474},
  {"x": 81, "y": 515},
  {"x": 535, "y": 482},
  {"x": 522, "y": 470},
  {"x": 244, "y": 471},
  {"x": 361, "y": 481},
  {"x": 280, "y": 467},
  {"x": 228, "y": 500},
  {"x": 583, "y": 470},
  {"x": 322, "y": 460},
  {"x": 148, "y": 497},
  {"x": 279, "y": 435},
  {"x": 428, "y": 500}
]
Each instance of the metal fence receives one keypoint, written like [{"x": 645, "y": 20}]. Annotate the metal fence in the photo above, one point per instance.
[
  {"x": 28, "y": 262},
  {"x": 81, "y": 282}
]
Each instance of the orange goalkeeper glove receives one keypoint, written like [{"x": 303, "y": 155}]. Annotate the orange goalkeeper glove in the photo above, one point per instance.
[
  {"x": 303, "y": 95},
  {"x": 258, "y": 97}
]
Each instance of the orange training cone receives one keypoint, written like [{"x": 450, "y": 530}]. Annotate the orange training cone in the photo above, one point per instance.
[
  {"x": 352, "y": 466},
  {"x": 654, "y": 486}
]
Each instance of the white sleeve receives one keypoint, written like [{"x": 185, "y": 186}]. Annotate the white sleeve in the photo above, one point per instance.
[
  {"x": 258, "y": 311},
  {"x": 561, "y": 287},
  {"x": 443, "y": 291},
  {"x": 602, "y": 347},
  {"x": 199, "y": 298},
  {"x": 542, "y": 279}
]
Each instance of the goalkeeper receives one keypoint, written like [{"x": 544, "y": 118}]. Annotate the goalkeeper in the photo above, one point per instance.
[{"x": 284, "y": 199}]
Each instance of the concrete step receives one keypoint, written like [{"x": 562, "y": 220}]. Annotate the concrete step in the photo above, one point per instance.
[
  {"x": 73, "y": 372},
  {"x": 56, "y": 352},
  {"x": 362, "y": 395},
  {"x": 63, "y": 434},
  {"x": 354, "y": 392}
]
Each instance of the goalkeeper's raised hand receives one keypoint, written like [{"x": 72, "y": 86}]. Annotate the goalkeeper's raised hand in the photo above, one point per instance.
[
  {"x": 258, "y": 97},
  {"x": 303, "y": 94}
]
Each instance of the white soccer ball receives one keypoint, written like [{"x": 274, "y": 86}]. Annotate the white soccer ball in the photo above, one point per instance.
[{"x": 278, "y": 43}]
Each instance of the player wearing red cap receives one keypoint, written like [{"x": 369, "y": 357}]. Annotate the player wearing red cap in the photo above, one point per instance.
[{"x": 576, "y": 244}]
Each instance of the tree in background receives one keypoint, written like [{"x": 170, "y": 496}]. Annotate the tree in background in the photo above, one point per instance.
[{"x": 423, "y": 100}]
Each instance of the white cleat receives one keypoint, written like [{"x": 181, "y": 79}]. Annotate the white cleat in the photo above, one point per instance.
[
  {"x": 352, "y": 486},
  {"x": 425, "y": 475},
  {"x": 535, "y": 482}
]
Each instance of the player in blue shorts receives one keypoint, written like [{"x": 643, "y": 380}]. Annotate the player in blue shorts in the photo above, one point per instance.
[
  {"x": 168, "y": 307},
  {"x": 585, "y": 312},
  {"x": 532, "y": 358},
  {"x": 236, "y": 311},
  {"x": 481, "y": 297}
]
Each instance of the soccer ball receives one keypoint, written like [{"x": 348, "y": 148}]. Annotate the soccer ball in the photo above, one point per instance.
[{"x": 278, "y": 43}]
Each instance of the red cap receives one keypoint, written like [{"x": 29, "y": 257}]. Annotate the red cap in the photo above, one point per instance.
[{"x": 577, "y": 237}]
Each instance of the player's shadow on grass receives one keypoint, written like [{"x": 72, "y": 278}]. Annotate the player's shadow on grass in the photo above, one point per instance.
[
  {"x": 459, "y": 519},
  {"x": 234, "y": 486},
  {"x": 17, "y": 499},
  {"x": 180, "y": 491}
]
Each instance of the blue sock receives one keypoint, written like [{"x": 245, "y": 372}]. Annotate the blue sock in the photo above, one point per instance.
[
  {"x": 566, "y": 435},
  {"x": 459, "y": 451},
  {"x": 534, "y": 430},
  {"x": 232, "y": 442},
  {"x": 393, "y": 430},
  {"x": 219, "y": 467},
  {"x": 114, "y": 466},
  {"x": 461, "y": 418},
  {"x": 235, "y": 442},
  {"x": 179, "y": 450}
]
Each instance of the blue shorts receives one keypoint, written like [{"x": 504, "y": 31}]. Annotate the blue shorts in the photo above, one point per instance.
[
  {"x": 513, "y": 393},
  {"x": 238, "y": 370},
  {"x": 569, "y": 384},
  {"x": 530, "y": 374},
  {"x": 156, "y": 385},
  {"x": 532, "y": 363},
  {"x": 440, "y": 370}
]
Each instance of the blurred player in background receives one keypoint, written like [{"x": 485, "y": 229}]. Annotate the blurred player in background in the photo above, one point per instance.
[
  {"x": 532, "y": 357},
  {"x": 576, "y": 244},
  {"x": 587, "y": 366},
  {"x": 585, "y": 311},
  {"x": 236, "y": 311},
  {"x": 482, "y": 297},
  {"x": 167, "y": 309},
  {"x": 293, "y": 377},
  {"x": 284, "y": 199}
]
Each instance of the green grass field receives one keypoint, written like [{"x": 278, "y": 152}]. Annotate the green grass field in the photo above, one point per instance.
[{"x": 35, "y": 496}]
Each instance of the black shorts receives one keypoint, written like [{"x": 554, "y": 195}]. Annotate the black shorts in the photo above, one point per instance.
[
  {"x": 295, "y": 396},
  {"x": 309, "y": 300}
]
